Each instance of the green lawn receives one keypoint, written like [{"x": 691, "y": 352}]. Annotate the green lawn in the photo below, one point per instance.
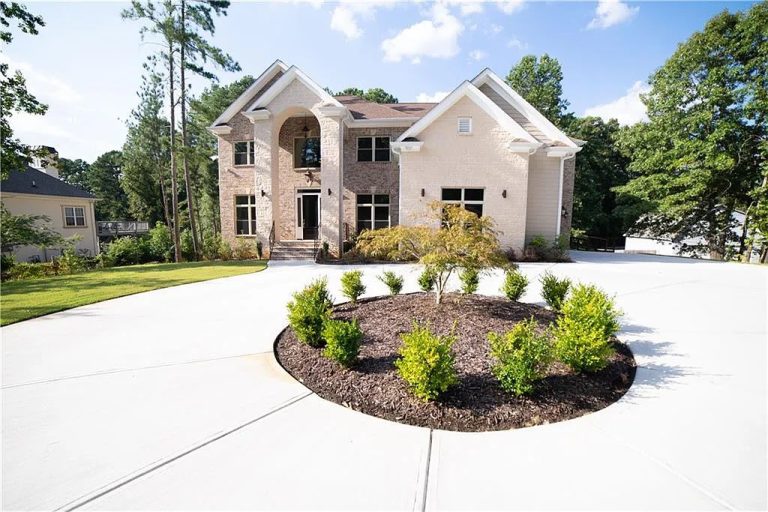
[{"x": 20, "y": 300}]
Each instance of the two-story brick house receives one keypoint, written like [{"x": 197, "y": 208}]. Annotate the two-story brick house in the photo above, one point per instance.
[{"x": 296, "y": 163}]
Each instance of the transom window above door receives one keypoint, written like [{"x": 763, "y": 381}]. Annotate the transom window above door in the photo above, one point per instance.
[
  {"x": 471, "y": 199},
  {"x": 306, "y": 152},
  {"x": 74, "y": 216},
  {"x": 372, "y": 211},
  {"x": 373, "y": 149},
  {"x": 244, "y": 153}
]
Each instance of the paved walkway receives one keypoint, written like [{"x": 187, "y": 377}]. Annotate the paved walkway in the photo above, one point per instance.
[{"x": 172, "y": 400}]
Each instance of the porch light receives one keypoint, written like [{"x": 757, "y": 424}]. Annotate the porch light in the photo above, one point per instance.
[
  {"x": 422, "y": 192},
  {"x": 263, "y": 193},
  {"x": 504, "y": 193},
  {"x": 329, "y": 191}
]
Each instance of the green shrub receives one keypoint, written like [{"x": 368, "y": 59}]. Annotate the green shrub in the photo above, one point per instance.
[
  {"x": 427, "y": 279},
  {"x": 342, "y": 340},
  {"x": 558, "y": 251},
  {"x": 308, "y": 310},
  {"x": 426, "y": 362},
  {"x": 470, "y": 280},
  {"x": 514, "y": 284},
  {"x": 538, "y": 248},
  {"x": 583, "y": 332},
  {"x": 187, "y": 246},
  {"x": 393, "y": 281},
  {"x": 244, "y": 250},
  {"x": 554, "y": 289},
  {"x": 24, "y": 270},
  {"x": 160, "y": 243},
  {"x": 7, "y": 261},
  {"x": 352, "y": 286},
  {"x": 225, "y": 250},
  {"x": 127, "y": 250},
  {"x": 70, "y": 262},
  {"x": 521, "y": 357}
]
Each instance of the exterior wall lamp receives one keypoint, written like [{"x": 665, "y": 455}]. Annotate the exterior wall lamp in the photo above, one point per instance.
[
  {"x": 263, "y": 193},
  {"x": 504, "y": 193},
  {"x": 422, "y": 192},
  {"x": 329, "y": 191}
]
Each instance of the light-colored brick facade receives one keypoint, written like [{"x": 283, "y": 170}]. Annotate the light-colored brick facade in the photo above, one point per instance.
[{"x": 521, "y": 185}]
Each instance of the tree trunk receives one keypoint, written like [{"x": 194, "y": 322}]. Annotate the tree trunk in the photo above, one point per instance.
[
  {"x": 174, "y": 184},
  {"x": 184, "y": 156},
  {"x": 166, "y": 213},
  {"x": 743, "y": 236}
]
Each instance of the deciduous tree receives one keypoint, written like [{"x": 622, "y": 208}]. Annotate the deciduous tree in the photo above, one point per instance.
[{"x": 539, "y": 81}]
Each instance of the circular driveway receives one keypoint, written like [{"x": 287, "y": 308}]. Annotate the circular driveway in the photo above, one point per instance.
[{"x": 172, "y": 399}]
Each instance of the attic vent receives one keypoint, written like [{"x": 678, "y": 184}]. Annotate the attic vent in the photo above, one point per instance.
[{"x": 465, "y": 125}]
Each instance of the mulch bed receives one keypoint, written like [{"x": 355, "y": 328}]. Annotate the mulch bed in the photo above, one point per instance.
[{"x": 477, "y": 402}]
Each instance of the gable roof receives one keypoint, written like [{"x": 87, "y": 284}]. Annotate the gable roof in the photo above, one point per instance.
[
  {"x": 239, "y": 104},
  {"x": 525, "y": 113},
  {"x": 293, "y": 73},
  {"x": 468, "y": 90},
  {"x": 32, "y": 181},
  {"x": 361, "y": 108}
]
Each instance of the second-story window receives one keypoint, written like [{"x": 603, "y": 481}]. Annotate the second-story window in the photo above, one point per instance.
[
  {"x": 306, "y": 152},
  {"x": 244, "y": 153},
  {"x": 373, "y": 149}
]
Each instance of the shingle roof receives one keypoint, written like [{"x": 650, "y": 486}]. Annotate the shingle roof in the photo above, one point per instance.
[
  {"x": 37, "y": 182},
  {"x": 364, "y": 109}
]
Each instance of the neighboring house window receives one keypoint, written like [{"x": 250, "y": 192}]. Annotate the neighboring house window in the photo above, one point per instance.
[
  {"x": 306, "y": 152},
  {"x": 465, "y": 126},
  {"x": 373, "y": 149},
  {"x": 372, "y": 211},
  {"x": 245, "y": 215},
  {"x": 244, "y": 154},
  {"x": 74, "y": 216},
  {"x": 469, "y": 198}
]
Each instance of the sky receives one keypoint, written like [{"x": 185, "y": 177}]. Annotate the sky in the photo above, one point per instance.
[{"x": 86, "y": 63}]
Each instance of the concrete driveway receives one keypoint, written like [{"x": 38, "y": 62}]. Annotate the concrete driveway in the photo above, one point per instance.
[{"x": 172, "y": 399}]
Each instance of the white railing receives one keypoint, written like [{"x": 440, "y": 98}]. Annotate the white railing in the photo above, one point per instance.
[{"x": 122, "y": 227}]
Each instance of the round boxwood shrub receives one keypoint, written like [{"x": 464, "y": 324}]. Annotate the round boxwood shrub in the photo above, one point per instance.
[
  {"x": 309, "y": 310},
  {"x": 427, "y": 362},
  {"x": 342, "y": 340},
  {"x": 521, "y": 357}
]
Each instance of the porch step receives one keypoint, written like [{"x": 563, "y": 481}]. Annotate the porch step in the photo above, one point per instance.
[{"x": 293, "y": 250}]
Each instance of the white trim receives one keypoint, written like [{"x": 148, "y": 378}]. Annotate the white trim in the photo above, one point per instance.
[
  {"x": 221, "y": 130},
  {"x": 333, "y": 111},
  {"x": 468, "y": 119},
  {"x": 518, "y": 102},
  {"x": 524, "y": 147},
  {"x": 561, "y": 151},
  {"x": 466, "y": 89},
  {"x": 243, "y": 99},
  {"x": 392, "y": 122},
  {"x": 258, "y": 115},
  {"x": 560, "y": 191},
  {"x": 410, "y": 146},
  {"x": 293, "y": 73},
  {"x": 250, "y": 153}
]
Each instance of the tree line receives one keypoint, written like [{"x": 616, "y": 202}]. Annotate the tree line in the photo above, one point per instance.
[{"x": 701, "y": 156}]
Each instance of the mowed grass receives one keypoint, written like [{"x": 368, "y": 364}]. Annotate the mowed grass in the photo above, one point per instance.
[{"x": 21, "y": 300}]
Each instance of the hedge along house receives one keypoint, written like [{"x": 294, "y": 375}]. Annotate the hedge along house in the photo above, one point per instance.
[{"x": 297, "y": 164}]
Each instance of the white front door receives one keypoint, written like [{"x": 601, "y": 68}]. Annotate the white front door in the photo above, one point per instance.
[{"x": 307, "y": 214}]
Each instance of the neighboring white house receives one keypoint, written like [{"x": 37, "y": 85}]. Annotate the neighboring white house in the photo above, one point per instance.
[
  {"x": 69, "y": 208},
  {"x": 296, "y": 163}
]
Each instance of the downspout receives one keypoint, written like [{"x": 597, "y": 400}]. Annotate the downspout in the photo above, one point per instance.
[
  {"x": 560, "y": 191},
  {"x": 399, "y": 186}
]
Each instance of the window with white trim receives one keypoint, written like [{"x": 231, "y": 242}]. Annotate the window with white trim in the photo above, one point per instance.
[
  {"x": 74, "y": 216},
  {"x": 244, "y": 152},
  {"x": 464, "y": 126},
  {"x": 306, "y": 152},
  {"x": 372, "y": 211},
  {"x": 373, "y": 149},
  {"x": 471, "y": 199},
  {"x": 245, "y": 215}
]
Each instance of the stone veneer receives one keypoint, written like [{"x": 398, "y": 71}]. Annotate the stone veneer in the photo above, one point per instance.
[{"x": 369, "y": 177}]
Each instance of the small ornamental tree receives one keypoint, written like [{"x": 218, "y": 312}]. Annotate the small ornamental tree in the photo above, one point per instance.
[{"x": 457, "y": 239}]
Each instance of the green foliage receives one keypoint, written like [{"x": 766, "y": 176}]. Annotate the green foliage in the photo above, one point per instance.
[
  {"x": 160, "y": 243},
  {"x": 427, "y": 279},
  {"x": 426, "y": 362},
  {"x": 187, "y": 245},
  {"x": 14, "y": 96},
  {"x": 554, "y": 289},
  {"x": 342, "y": 340},
  {"x": 521, "y": 356},
  {"x": 699, "y": 157},
  {"x": 583, "y": 332},
  {"x": 127, "y": 250},
  {"x": 21, "y": 271},
  {"x": 514, "y": 284},
  {"x": 245, "y": 250},
  {"x": 352, "y": 286},
  {"x": 104, "y": 180},
  {"x": 470, "y": 280},
  {"x": 70, "y": 262},
  {"x": 539, "y": 81},
  {"x": 7, "y": 261},
  {"x": 463, "y": 240},
  {"x": 74, "y": 172},
  {"x": 18, "y": 230},
  {"x": 375, "y": 94},
  {"x": 308, "y": 310},
  {"x": 393, "y": 281}
]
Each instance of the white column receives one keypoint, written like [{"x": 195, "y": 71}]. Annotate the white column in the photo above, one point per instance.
[
  {"x": 331, "y": 141},
  {"x": 262, "y": 139}
]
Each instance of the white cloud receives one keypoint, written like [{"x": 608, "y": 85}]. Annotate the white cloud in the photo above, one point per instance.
[
  {"x": 510, "y": 6},
  {"x": 517, "y": 44},
  {"x": 628, "y": 109},
  {"x": 344, "y": 20},
  {"x": 495, "y": 29},
  {"x": 425, "y": 97},
  {"x": 437, "y": 37},
  {"x": 611, "y": 12},
  {"x": 467, "y": 7},
  {"x": 47, "y": 88},
  {"x": 478, "y": 54}
]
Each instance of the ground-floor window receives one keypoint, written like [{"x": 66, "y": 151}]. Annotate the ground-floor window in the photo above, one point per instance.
[
  {"x": 372, "y": 211},
  {"x": 245, "y": 215},
  {"x": 74, "y": 216},
  {"x": 471, "y": 199}
]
